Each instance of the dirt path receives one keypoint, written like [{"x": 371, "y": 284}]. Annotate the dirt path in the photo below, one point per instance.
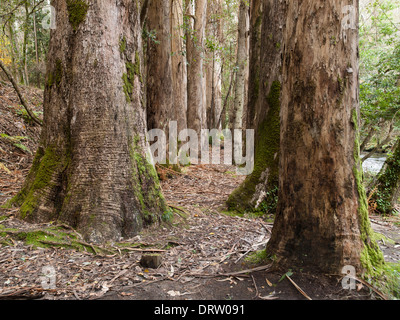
[{"x": 202, "y": 249}]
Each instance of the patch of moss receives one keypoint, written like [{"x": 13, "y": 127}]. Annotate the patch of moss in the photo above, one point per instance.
[
  {"x": 122, "y": 45},
  {"x": 46, "y": 165},
  {"x": 128, "y": 78},
  {"x": 146, "y": 186},
  {"x": 257, "y": 257},
  {"x": 77, "y": 11}
]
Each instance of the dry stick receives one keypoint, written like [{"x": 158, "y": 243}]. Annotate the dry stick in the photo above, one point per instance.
[
  {"x": 298, "y": 288},
  {"x": 20, "y": 96}
]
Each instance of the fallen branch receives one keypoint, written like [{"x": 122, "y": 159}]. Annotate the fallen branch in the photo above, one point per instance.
[{"x": 20, "y": 96}]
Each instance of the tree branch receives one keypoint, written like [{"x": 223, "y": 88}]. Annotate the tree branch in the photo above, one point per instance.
[{"x": 20, "y": 96}]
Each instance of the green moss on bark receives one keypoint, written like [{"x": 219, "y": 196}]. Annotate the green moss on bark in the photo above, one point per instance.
[
  {"x": 128, "y": 78},
  {"x": 77, "y": 11},
  {"x": 46, "y": 165},
  {"x": 146, "y": 186},
  {"x": 266, "y": 165},
  {"x": 372, "y": 258}
]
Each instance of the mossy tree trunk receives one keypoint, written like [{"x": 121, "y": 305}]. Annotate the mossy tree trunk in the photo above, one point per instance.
[
  {"x": 90, "y": 170},
  {"x": 387, "y": 187},
  {"x": 259, "y": 190},
  {"x": 322, "y": 219}
]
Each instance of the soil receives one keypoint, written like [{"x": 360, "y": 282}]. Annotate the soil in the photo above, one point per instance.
[{"x": 207, "y": 254}]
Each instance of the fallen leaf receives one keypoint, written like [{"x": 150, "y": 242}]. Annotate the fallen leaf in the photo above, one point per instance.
[
  {"x": 268, "y": 282},
  {"x": 173, "y": 293}
]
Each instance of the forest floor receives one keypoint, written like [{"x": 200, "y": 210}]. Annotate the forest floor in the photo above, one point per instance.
[{"x": 207, "y": 254}]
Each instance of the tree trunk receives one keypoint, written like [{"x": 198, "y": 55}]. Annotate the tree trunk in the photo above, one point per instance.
[
  {"x": 322, "y": 219},
  {"x": 36, "y": 48},
  {"x": 90, "y": 170},
  {"x": 159, "y": 66},
  {"x": 25, "y": 44},
  {"x": 387, "y": 187},
  {"x": 179, "y": 70},
  {"x": 213, "y": 66},
  {"x": 241, "y": 65},
  {"x": 256, "y": 18},
  {"x": 259, "y": 191},
  {"x": 195, "y": 72},
  {"x": 14, "y": 56}
]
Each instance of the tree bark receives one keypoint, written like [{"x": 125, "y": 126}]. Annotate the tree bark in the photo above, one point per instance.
[
  {"x": 256, "y": 18},
  {"x": 195, "y": 57},
  {"x": 159, "y": 66},
  {"x": 90, "y": 170},
  {"x": 259, "y": 190},
  {"x": 179, "y": 69},
  {"x": 213, "y": 66},
  {"x": 241, "y": 65},
  {"x": 322, "y": 219}
]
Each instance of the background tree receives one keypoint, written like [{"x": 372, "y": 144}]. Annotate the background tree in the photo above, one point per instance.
[
  {"x": 195, "y": 20},
  {"x": 91, "y": 170},
  {"x": 160, "y": 95},
  {"x": 260, "y": 190},
  {"x": 242, "y": 66}
]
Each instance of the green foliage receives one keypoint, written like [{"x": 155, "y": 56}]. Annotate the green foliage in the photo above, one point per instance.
[
  {"x": 16, "y": 142},
  {"x": 380, "y": 64}
]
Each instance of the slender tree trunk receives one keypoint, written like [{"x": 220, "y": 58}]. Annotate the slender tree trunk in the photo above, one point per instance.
[
  {"x": 195, "y": 56},
  {"x": 179, "y": 70},
  {"x": 90, "y": 170},
  {"x": 25, "y": 44},
  {"x": 159, "y": 66},
  {"x": 213, "y": 66},
  {"x": 241, "y": 65},
  {"x": 36, "y": 49},
  {"x": 322, "y": 219},
  {"x": 256, "y": 18},
  {"x": 259, "y": 191},
  {"x": 14, "y": 57}
]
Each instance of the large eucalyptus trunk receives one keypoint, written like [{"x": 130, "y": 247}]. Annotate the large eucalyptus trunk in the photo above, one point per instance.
[
  {"x": 90, "y": 170},
  {"x": 322, "y": 219},
  {"x": 259, "y": 191}
]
